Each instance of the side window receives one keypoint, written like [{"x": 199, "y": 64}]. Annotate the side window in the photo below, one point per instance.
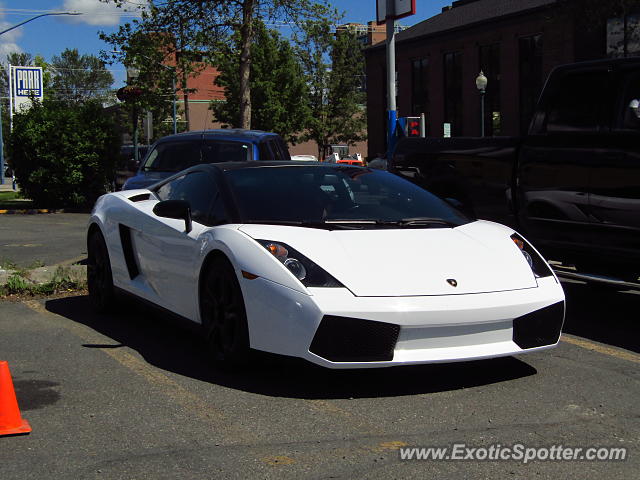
[
  {"x": 573, "y": 106},
  {"x": 275, "y": 148},
  {"x": 265, "y": 151},
  {"x": 628, "y": 115},
  {"x": 152, "y": 157},
  {"x": 198, "y": 188},
  {"x": 215, "y": 151},
  {"x": 284, "y": 155},
  {"x": 173, "y": 157}
]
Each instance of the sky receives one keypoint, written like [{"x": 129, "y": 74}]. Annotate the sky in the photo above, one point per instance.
[{"x": 49, "y": 36}]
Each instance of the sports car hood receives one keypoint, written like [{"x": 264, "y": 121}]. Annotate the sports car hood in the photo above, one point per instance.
[{"x": 477, "y": 257}]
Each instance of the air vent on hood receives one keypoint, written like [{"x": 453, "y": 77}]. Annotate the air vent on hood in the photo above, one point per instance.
[{"x": 140, "y": 197}]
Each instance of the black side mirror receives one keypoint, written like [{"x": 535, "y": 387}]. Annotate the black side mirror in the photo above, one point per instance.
[{"x": 179, "y": 209}]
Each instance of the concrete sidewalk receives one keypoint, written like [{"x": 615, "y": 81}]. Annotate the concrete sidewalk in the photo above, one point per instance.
[{"x": 7, "y": 186}]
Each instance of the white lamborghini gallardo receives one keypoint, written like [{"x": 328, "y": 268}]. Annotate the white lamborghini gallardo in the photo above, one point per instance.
[{"x": 344, "y": 266}]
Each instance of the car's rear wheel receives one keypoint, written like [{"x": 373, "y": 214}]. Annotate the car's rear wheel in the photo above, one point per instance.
[
  {"x": 99, "y": 277},
  {"x": 224, "y": 319}
]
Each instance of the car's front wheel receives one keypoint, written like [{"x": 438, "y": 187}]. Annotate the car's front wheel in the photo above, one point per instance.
[
  {"x": 224, "y": 319},
  {"x": 99, "y": 277}
]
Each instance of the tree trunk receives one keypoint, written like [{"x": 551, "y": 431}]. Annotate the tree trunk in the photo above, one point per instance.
[{"x": 246, "y": 32}]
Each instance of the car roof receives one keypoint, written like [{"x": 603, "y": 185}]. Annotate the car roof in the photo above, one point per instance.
[
  {"x": 227, "y": 166},
  {"x": 220, "y": 133}
]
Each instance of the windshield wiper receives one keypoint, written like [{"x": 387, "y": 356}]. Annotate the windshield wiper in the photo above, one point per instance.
[
  {"x": 307, "y": 223},
  {"x": 417, "y": 221}
]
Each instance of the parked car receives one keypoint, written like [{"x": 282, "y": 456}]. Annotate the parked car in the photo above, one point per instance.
[
  {"x": 346, "y": 267},
  {"x": 304, "y": 158},
  {"x": 177, "y": 152},
  {"x": 572, "y": 184},
  {"x": 127, "y": 165}
]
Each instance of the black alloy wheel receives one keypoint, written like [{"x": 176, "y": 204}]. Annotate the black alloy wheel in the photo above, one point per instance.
[
  {"x": 99, "y": 277},
  {"x": 224, "y": 319}
]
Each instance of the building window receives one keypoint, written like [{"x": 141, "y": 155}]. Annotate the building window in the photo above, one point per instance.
[
  {"x": 490, "y": 65},
  {"x": 419, "y": 89},
  {"x": 530, "y": 77},
  {"x": 453, "y": 91}
]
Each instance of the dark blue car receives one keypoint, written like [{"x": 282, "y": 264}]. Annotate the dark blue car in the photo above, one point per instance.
[{"x": 174, "y": 153}]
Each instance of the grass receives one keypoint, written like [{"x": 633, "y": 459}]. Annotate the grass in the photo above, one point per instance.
[
  {"x": 12, "y": 200},
  {"x": 62, "y": 281},
  {"x": 6, "y": 264}
]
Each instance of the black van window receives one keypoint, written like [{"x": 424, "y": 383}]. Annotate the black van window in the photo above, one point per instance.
[
  {"x": 628, "y": 118},
  {"x": 574, "y": 105}
]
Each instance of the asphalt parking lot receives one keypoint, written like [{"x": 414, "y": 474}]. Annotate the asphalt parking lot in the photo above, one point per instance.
[
  {"x": 131, "y": 396},
  {"x": 47, "y": 239}
]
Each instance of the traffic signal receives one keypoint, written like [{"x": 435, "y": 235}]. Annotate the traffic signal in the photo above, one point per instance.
[{"x": 413, "y": 127}]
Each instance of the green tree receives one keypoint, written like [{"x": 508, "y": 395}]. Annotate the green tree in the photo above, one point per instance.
[
  {"x": 164, "y": 45},
  {"x": 334, "y": 66},
  {"x": 209, "y": 21},
  {"x": 143, "y": 51},
  {"x": 77, "y": 78},
  {"x": 64, "y": 155},
  {"x": 18, "y": 59},
  {"x": 277, "y": 86}
]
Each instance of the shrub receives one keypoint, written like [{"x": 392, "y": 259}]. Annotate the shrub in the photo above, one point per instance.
[{"x": 64, "y": 155}]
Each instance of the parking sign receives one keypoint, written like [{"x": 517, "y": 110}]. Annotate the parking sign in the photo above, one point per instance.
[{"x": 26, "y": 83}]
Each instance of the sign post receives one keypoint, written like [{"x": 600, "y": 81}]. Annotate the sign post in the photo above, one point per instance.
[{"x": 387, "y": 11}]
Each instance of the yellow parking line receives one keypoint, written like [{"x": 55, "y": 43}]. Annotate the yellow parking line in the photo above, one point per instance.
[{"x": 612, "y": 352}]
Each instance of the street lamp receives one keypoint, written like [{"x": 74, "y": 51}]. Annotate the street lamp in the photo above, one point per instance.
[
  {"x": 481, "y": 83},
  {"x": 1, "y": 33}
]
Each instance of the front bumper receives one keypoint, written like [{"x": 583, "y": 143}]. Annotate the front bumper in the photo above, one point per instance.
[{"x": 389, "y": 331}]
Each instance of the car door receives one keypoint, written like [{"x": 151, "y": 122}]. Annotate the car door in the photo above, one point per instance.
[
  {"x": 615, "y": 179},
  {"x": 555, "y": 161},
  {"x": 169, "y": 254}
]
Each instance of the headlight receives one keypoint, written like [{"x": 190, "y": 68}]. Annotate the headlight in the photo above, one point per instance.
[
  {"x": 308, "y": 272},
  {"x": 535, "y": 261}
]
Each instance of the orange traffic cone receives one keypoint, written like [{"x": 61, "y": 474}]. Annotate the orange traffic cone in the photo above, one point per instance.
[{"x": 11, "y": 423}]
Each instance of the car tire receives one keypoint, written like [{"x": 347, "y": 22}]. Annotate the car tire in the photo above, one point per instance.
[
  {"x": 99, "y": 276},
  {"x": 224, "y": 319}
]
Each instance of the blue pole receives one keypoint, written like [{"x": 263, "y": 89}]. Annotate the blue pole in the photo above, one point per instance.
[{"x": 392, "y": 120}]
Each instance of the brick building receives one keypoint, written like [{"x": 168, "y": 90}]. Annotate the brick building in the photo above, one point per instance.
[{"x": 516, "y": 43}]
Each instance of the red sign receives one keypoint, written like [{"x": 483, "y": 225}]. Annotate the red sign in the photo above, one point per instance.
[{"x": 402, "y": 8}]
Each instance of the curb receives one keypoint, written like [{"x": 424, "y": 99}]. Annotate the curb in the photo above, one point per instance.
[
  {"x": 30, "y": 211},
  {"x": 43, "y": 275}
]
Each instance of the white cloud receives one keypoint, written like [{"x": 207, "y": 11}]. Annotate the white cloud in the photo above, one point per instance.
[
  {"x": 9, "y": 40},
  {"x": 96, "y": 12}
]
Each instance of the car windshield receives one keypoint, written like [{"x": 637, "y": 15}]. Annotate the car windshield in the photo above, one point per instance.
[{"x": 336, "y": 197}]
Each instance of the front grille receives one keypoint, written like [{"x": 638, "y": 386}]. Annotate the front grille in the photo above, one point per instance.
[
  {"x": 539, "y": 328},
  {"x": 343, "y": 339}
]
